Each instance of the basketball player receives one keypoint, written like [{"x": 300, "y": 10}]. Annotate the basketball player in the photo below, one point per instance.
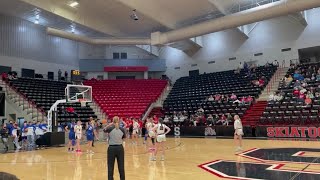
[
  {"x": 160, "y": 130},
  {"x": 238, "y": 132},
  {"x": 70, "y": 128},
  {"x": 91, "y": 133},
  {"x": 135, "y": 131},
  {"x": 149, "y": 132},
  {"x": 24, "y": 131},
  {"x": 78, "y": 134}
]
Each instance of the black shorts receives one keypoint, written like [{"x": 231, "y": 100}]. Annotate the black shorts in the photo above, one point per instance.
[{"x": 153, "y": 140}]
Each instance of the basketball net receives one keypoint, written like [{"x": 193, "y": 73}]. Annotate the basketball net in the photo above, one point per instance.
[{"x": 83, "y": 102}]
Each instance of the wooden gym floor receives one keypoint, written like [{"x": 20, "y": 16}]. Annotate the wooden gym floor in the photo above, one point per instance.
[{"x": 183, "y": 156}]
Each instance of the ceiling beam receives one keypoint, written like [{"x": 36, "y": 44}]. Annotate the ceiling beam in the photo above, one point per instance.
[
  {"x": 218, "y": 4},
  {"x": 95, "y": 23}
]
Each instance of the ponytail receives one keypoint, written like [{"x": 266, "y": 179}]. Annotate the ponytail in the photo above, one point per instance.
[{"x": 116, "y": 122}]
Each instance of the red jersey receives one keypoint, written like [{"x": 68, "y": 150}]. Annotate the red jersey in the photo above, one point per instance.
[{"x": 70, "y": 109}]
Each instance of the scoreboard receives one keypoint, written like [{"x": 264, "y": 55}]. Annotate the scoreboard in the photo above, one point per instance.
[{"x": 76, "y": 75}]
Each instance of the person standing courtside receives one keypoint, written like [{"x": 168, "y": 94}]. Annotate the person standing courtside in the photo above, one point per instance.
[{"x": 115, "y": 149}]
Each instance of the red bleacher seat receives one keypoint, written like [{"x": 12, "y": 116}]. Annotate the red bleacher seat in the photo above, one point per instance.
[{"x": 126, "y": 97}]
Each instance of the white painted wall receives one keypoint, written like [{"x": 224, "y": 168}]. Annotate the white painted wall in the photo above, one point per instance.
[
  {"x": 39, "y": 66},
  {"x": 268, "y": 37}
]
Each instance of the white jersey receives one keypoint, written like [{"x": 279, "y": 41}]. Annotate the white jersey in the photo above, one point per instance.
[
  {"x": 135, "y": 125},
  {"x": 150, "y": 126},
  {"x": 237, "y": 124},
  {"x": 238, "y": 127},
  {"x": 78, "y": 129},
  {"x": 161, "y": 128}
]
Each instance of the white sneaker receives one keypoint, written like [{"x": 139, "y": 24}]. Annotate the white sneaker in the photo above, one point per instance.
[
  {"x": 162, "y": 158},
  {"x": 91, "y": 152},
  {"x": 153, "y": 159},
  {"x": 238, "y": 149}
]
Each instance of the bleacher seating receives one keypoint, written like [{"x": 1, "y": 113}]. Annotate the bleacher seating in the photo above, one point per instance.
[
  {"x": 126, "y": 97},
  {"x": 44, "y": 93},
  {"x": 189, "y": 93},
  {"x": 289, "y": 111}
]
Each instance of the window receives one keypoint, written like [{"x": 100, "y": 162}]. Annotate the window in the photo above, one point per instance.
[
  {"x": 123, "y": 55},
  {"x": 233, "y": 58},
  {"x": 286, "y": 49},
  {"x": 193, "y": 65},
  {"x": 211, "y": 62},
  {"x": 177, "y": 68},
  {"x": 116, "y": 55},
  {"x": 258, "y": 54}
]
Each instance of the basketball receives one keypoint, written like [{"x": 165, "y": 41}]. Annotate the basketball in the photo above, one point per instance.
[{"x": 104, "y": 121}]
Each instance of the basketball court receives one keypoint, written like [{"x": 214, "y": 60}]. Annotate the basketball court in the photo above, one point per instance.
[{"x": 186, "y": 159}]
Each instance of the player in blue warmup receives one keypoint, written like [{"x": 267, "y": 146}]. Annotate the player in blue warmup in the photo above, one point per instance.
[
  {"x": 30, "y": 135},
  {"x": 91, "y": 133},
  {"x": 24, "y": 131},
  {"x": 72, "y": 136}
]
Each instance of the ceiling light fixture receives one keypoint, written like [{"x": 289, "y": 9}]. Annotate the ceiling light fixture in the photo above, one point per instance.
[
  {"x": 36, "y": 21},
  {"x": 74, "y": 4}
]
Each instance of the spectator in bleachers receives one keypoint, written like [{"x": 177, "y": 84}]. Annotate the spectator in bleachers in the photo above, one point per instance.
[
  {"x": 261, "y": 82},
  {"x": 4, "y": 133},
  {"x": 272, "y": 97},
  {"x": 4, "y": 76},
  {"x": 297, "y": 84},
  {"x": 296, "y": 92},
  {"x": 298, "y": 76},
  {"x": 222, "y": 120},
  {"x": 249, "y": 100},
  {"x": 70, "y": 110},
  {"x": 66, "y": 75},
  {"x": 233, "y": 97},
  {"x": 288, "y": 80},
  {"x": 301, "y": 97},
  {"x": 276, "y": 63},
  {"x": 59, "y": 74},
  {"x": 318, "y": 76},
  {"x": 217, "y": 97},
  {"x": 210, "y": 98},
  {"x": 210, "y": 120},
  {"x": 310, "y": 95}
]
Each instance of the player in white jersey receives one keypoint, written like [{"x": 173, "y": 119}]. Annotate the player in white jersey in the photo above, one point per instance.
[
  {"x": 238, "y": 132},
  {"x": 78, "y": 133},
  {"x": 135, "y": 131},
  {"x": 160, "y": 130},
  {"x": 149, "y": 132}
]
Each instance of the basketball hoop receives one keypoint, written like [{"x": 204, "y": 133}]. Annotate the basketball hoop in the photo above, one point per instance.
[{"x": 83, "y": 102}]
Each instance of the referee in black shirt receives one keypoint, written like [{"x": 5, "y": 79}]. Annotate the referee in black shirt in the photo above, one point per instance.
[{"x": 115, "y": 149}]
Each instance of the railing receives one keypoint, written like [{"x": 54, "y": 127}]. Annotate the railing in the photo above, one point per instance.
[
  {"x": 152, "y": 105},
  {"x": 25, "y": 102},
  {"x": 275, "y": 77},
  {"x": 98, "y": 109}
]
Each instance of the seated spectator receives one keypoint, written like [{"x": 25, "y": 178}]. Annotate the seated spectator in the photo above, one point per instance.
[
  {"x": 233, "y": 97},
  {"x": 272, "y": 97},
  {"x": 310, "y": 95},
  {"x": 296, "y": 92},
  {"x": 217, "y": 97},
  {"x": 317, "y": 95},
  {"x": 255, "y": 82},
  {"x": 210, "y": 120},
  {"x": 278, "y": 97},
  {"x": 318, "y": 77},
  {"x": 298, "y": 76},
  {"x": 313, "y": 77},
  {"x": 288, "y": 80},
  {"x": 4, "y": 76},
  {"x": 229, "y": 118},
  {"x": 249, "y": 99},
  {"x": 166, "y": 119},
  {"x": 70, "y": 110},
  {"x": 304, "y": 84},
  {"x": 261, "y": 82},
  {"x": 301, "y": 97},
  {"x": 222, "y": 120},
  {"x": 211, "y": 98},
  {"x": 297, "y": 84}
]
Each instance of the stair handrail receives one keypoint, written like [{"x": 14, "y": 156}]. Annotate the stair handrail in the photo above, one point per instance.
[
  {"x": 24, "y": 99},
  {"x": 152, "y": 105}
]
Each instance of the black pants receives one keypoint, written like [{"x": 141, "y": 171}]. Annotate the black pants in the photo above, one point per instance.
[{"x": 113, "y": 153}]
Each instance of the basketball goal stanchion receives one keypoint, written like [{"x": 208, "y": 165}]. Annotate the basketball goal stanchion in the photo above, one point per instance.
[{"x": 73, "y": 94}]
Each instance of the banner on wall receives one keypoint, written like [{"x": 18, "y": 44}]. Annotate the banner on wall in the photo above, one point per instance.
[
  {"x": 293, "y": 132},
  {"x": 125, "y": 68}
]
